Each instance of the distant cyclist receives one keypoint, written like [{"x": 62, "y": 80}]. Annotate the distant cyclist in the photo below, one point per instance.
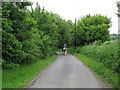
[{"x": 64, "y": 49}]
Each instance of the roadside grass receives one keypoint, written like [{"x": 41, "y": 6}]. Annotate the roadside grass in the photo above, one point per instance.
[
  {"x": 107, "y": 53},
  {"x": 102, "y": 59},
  {"x": 19, "y": 77},
  {"x": 59, "y": 50},
  {"x": 99, "y": 69}
]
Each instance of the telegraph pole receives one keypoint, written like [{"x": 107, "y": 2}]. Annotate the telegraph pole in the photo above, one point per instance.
[{"x": 75, "y": 33}]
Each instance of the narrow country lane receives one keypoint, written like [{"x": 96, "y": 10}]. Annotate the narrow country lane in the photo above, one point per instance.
[{"x": 66, "y": 72}]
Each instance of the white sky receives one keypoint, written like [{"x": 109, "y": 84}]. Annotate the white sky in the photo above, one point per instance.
[{"x": 71, "y": 9}]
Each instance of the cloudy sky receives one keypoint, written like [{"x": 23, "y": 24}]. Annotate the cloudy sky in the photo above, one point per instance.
[{"x": 71, "y": 9}]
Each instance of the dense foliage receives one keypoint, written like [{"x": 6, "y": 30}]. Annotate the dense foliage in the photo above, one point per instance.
[
  {"x": 28, "y": 35},
  {"x": 36, "y": 33}
]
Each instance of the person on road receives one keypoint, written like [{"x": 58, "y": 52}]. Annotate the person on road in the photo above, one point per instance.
[{"x": 65, "y": 49}]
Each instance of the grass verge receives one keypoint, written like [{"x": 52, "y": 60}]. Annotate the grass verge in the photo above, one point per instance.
[
  {"x": 19, "y": 77},
  {"x": 107, "y": 75},
  {"x": 59, "y": 50}
]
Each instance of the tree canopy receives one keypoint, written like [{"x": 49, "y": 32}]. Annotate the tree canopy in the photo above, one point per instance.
[
  {"x": 92, "y": 28},
  {"x": 37, "y": 33}
]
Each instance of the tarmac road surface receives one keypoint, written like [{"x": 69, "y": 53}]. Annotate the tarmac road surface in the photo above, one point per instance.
[{"x": 66, "y": 72}]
